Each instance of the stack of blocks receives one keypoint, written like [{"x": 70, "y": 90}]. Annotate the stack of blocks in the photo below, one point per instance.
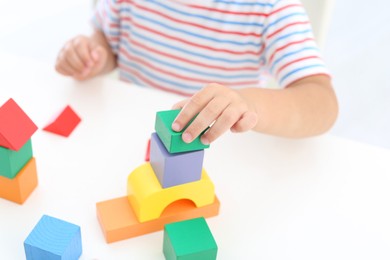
[
  {"x": 53, "y": 239},
  {"x": 172, "y": 187},
  {"x": 18, "y": 175}
]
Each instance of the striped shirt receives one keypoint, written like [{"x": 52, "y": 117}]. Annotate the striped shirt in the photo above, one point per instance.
[{"x": 182, "y": 45}]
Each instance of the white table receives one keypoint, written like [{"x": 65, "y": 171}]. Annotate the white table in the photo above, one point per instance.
[{"x": 318, "y": 198}]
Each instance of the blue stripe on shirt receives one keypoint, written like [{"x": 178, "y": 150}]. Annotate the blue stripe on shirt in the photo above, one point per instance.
[
  {"x": 281, "y": 19},
  {"x": 289, "y": 54},
  {"x": 286, "y": 36},
  {"x": 201, "y": 36},
  {"x": 207, "y": 57},
  {"x": 146, "y": 56},
  {"x": 297, "y": 70},
  {"x": 243, "y": 3},
  {"x": 130, "y": 77},
  {"x": 204, "y": 17},
  {"x": 156, "y": 77}
]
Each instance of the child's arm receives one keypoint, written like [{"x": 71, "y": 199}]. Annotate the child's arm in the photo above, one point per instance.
[
  {"x": 85, "y": 57},
  {"x": 305, "y": 108}
]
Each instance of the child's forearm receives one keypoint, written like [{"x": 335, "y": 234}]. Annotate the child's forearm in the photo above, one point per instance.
[
  {"x": 307, "y": 107},
  {"x": 99, "y": 37}
]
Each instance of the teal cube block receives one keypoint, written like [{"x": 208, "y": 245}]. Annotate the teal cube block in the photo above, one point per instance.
[
  {"x": 189, "y": 240},
  {"x": 173, "y": 140},
  {"x": 11, "y": 162},
  {"x": 53, "y": 239}
]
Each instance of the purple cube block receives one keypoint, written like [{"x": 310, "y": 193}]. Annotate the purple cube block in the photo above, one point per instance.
[{"x": 174, "y": 169}]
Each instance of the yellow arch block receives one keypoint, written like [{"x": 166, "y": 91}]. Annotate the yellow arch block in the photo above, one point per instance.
[{"x": 148, "y": 199}]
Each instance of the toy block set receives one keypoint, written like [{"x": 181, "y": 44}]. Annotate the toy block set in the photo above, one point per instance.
[
  {"x": 53, "y": 239},
  {"x": 18, "y": 175},
  {"x": 171, "y": 186},
  {"x": 171, "y": 191}
]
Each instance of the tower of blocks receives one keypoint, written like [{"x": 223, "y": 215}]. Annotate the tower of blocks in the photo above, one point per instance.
[
  {"x": 171, "y": 187},
  {"x": 18, "y": 175}
]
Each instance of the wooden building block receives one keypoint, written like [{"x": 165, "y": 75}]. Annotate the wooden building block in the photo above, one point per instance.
[
  {"x": 148, "y": 199},
  {"x": 173, "y": 140},
  {"x": 16, "y": 128},
  {"x": 11, "y": 162},
  {"x": 118, "y": 221},
  {"x": 174, "y": 169},
  {"x": 65, "y": 122},
  {"x": 189, "y": 240},
  {"x": 19, "y": 188},
  {"x": 53, "y": 239}
]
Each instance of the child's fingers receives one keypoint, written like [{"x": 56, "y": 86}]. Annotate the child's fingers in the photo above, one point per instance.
[
  {"x": 99, "y": 57},
  {"x": 74, "y": 60},
  {"x": 196, "y": 103},
  {"x": 82, "y": 46},
  {"x": 63, "y": 71},
  {"x": 224, "y": 122},
  {"x": 64, "y": 65},
  {"x": 246, "y": 123},
  {"x": 180, "y": 105},
  {"x": 60, "y": 66},
  {"x": 211, "y": 113}
]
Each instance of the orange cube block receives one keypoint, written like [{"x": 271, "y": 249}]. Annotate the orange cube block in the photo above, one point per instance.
[{"x": 19, "y": 188}]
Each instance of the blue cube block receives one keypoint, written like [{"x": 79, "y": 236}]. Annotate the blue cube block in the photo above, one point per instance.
[
  {"x": 53, "y": 239},
  {"x": 174, "y": 169}
]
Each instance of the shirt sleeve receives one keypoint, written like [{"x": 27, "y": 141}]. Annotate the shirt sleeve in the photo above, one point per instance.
[
  {"x": 291, "y": 52},
  {"x": 106, "y": 19}
]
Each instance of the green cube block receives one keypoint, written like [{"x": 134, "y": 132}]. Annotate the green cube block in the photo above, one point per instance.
[
  {"x": 11, "y": 162},
  {"x": 189, "y": 240},
  {"x": 173, "y": 140}
]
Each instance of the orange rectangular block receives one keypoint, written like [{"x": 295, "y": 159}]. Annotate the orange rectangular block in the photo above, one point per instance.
[
  {"x": 19, "y": 188},
  {"x": 118, "y": 221}
]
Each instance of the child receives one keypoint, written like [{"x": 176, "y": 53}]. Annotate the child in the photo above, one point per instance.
[{"x": 216, "y": 51}]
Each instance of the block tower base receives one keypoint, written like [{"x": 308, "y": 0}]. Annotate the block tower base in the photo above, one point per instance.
[{"x": 118, "y": 220}]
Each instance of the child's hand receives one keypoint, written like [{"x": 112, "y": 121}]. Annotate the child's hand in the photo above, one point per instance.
[
  {"x": 81, "y": 58},
  {"x": 218, "y": 106}
]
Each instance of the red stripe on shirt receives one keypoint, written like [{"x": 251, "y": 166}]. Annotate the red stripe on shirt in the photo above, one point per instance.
[
  {"x": 283, "y": 8},
  {"x": 155, "y": 68},
  {"x": 295, "y": 61},
  {"x": 225, "y": 11},
  {"x": 284, "y": 27},
  {"x": 285, "y": 46},
  {"x": 200, "y": 64},
  {"x": 256, "y": 53},
  {"x": 242, "y": 13},
  {"x": 195, "y": 24},
  {"x": 150, "y": 82}
]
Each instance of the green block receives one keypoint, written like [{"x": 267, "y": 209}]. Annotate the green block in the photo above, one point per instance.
[
  {"x": 11, "y": 162},
  {"x": 172, "y": 140},
  {"x": 189, "y": 240}
]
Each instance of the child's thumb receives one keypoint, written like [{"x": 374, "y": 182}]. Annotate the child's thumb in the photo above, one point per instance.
[{"x": 98, "y": 54}]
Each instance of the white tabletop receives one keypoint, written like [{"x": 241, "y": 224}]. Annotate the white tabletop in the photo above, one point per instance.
[{"x": 317, "y": 198}]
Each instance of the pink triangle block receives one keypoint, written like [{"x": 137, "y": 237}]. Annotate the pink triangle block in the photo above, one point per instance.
[
  {"x": 16, "y": 128},
  {"x": 65, "y": 123}
]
